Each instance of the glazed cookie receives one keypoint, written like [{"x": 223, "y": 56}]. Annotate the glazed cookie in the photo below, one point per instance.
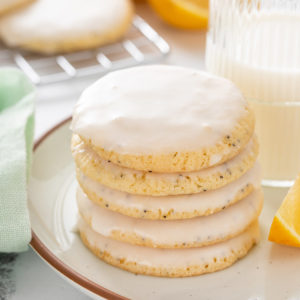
[
  {"x": 163, "y": 119},
  {"x": 159, "y": 184},
  {"x": 169, "y": 262},
  {"x": 10, "y": 5},
  {"x": 195, "y": 232},
  {"x": 52, "y": 26},
  {"x": 171, "y": 207}
]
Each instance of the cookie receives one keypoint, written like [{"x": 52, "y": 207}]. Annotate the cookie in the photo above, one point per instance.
[
  {"x": 8, "y": 6},
  {"x": 159, "y": 184},
  {"x": 188, "y": 233},
  {"x": 163, "y": 119},
  {"x": 54, "y": 26},
  {"x": 169, "y": 262},
  {"x": 171, "y": 207}
]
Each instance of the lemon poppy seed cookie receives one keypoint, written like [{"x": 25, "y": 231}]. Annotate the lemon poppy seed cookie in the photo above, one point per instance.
[
  {"x": 169, "y": 262},
  {"x": 161, "y": 184},
  {"x": 195, "y": 232},
  {"x": 163, "y": 119},
  {"x": 171, "y": 207},
  {"x": 53, "y": 26}
]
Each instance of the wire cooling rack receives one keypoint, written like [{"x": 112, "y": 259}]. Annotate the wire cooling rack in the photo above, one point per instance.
[{"x": 141, "y": 45}]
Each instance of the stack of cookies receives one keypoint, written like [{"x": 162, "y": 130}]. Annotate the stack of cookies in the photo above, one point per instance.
[{"x": 166, "y": 165}]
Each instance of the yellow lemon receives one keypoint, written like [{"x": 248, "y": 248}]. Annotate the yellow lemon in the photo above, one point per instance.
[
  {"x": 285, "y": 228},
  {"x": 184, "y": 14}
]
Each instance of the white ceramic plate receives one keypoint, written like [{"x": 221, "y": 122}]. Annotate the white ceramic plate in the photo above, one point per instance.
[{"x": 270, "y": 271}]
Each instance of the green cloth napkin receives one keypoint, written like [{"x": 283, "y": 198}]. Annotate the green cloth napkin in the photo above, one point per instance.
[{"x": 16, "y": 141}]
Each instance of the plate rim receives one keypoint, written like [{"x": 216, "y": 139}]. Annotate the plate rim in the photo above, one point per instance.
[{"x": 42, "y": 250}]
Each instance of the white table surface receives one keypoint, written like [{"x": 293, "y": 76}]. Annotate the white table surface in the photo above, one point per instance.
[{"x": 34, "y": 278}]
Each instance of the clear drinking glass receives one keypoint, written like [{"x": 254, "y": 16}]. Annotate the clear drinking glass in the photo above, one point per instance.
[{"x": 256, "y": 44}]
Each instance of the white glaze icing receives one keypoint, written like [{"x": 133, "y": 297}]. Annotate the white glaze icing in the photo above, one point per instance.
[
  {"x": 209, "y": 200},
  {"x": 214, "y": 159},
  {"x": 158, "y": 109},
  {"x": 155, "y": 257},
  {"x": 62, "y": 19},
  {"x": 229, "y": 222}
]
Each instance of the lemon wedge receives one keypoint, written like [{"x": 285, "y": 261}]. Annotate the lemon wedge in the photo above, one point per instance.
[
  {"x": 183, "y": 14},
  {"x": 285, "y": 228}
]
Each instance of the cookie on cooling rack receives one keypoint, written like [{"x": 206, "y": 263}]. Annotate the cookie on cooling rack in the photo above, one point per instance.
[
  {"x": 169, "y": 262},
  {"x": 53, "y": 26}
]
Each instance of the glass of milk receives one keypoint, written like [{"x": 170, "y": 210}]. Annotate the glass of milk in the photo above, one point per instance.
[{"x": 256, "y": 44}]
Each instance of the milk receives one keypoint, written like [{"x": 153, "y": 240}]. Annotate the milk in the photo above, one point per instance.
[{"x": 260, "y": 53}]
